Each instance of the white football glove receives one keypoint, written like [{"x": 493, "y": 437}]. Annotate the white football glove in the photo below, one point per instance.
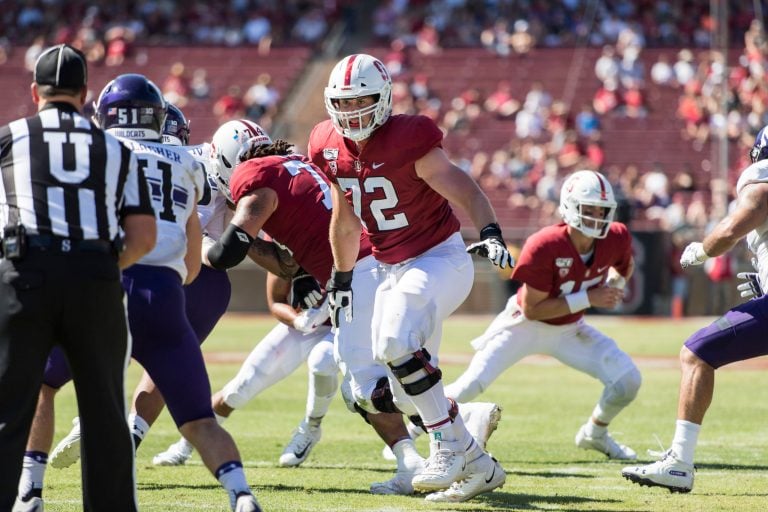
[
  {"x": 693, "y": 254},
  {"x": 309, "y": 320},
  {"x": 494, "y": 250},
  {"x": 615, "y": 280},
  {"x": 751, "y": 286}
]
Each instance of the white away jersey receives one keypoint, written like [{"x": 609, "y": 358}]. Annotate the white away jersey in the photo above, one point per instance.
[
  {"x": 757, "y": 239},
  {"x": 212, "y": 208},
  {"x": 175, "y": 182}
]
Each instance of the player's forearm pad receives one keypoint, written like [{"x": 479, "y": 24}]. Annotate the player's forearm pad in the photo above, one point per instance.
[{"x": 231, "y": 248}]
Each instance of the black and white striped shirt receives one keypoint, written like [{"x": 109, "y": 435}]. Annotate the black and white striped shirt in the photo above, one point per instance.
[{"x": 63, "y": 176}]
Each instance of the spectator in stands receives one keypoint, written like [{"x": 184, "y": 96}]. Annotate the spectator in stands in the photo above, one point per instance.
[
  {"x": 261, "y": 101},
  {"x": 633, "y": 102},
  {"x": 497, "y": 38},
  {"x": 607, "y": 65},
  {"x": 684, "y": 69},
  {"x": 662, "y": 72},
  {"x": 199, "y": 86},
  {"x": 33, "y": 52},
  {"x": 310, "y": 27},
  {"x": 118, "y": 45},
  {"x": 229, "y": 106},
  {"x": 587, "y": 121},
  {"x": 385, "y": 17},
  {"x": 522, "y": 40},
  {"x": 594, "y": 152},
  {"x": 529, "y": 124},
  {"x": 691, "y": 110},
  {"x": 428, "y": 38},
  {"x": 500, "y": 102},
  {"x": 537, "y": 98},
  {"x": 258, "y": 29},
  {"x": 396, "y": 60},
  {"x": 606, "y": 98},
  {"x": 176, "y": 85}
]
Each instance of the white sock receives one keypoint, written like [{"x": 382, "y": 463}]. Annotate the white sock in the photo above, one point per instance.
[
  {"x": 138, "y": 426},
  {"x": 32, "y": 472},
  {"x": 684, "y": 442},
  {"x": 322, "y": 389},
  {"x": 413, "y": 430},
  {"x": 232, "y": 478},
  {"x": 595, "y": 430},
  {"x": 407, "y": 457}
]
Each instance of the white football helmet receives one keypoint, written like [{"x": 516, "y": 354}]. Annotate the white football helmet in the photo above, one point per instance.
[
  {"x": 584, "y": 188},
  {"x": 230, "y": 142},
  {"x": 353, "y": 77}
]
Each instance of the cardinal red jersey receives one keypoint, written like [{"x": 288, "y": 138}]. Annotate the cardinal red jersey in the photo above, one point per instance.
[
  {"x": 403, "y": 216},
  {"x": 303, "y": 215},
  {"x": 549, "y": 262}
]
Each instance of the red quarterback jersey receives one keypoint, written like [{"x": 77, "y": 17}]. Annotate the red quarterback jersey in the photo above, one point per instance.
[
  {"x": 303, "y": 215},
  {"x": 550, "y": 263},
  {"x": 403, "y": 216}
]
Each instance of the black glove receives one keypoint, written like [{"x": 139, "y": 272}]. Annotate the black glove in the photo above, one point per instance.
[
  {"x": 339, "y": 290},
  {"x": 305, "y": 290},
  {"x": 492, "y": 246}
]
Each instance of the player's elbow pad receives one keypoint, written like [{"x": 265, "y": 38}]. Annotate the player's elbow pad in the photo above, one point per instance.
[{"x": 231, "y": 248}]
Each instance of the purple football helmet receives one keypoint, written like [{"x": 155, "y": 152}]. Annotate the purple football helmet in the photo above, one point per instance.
[
  {"x": 760, "y": 150},
  {"x": 176, "y": 127},
  {"x": 133, "y": 107}
]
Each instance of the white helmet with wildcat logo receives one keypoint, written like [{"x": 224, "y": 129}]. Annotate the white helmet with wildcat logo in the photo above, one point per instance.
[
  {"x": 353, "y": 77},
  {"x": 230, "y": 142},
  {"x": 587, "y": 188}
]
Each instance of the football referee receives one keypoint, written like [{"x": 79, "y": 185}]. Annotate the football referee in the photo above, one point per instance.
[{"x": 67, "y": 189}]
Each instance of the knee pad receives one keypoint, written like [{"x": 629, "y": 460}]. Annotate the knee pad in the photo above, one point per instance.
[
  {"x": 622, "y": 392},
  {"x": 321, "y": 360},
  {"x": 416, "y": 375}
]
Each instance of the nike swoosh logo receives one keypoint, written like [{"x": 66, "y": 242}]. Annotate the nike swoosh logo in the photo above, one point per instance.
[
  {"x": 376, "y": 165},
  {"x": 601, "y": 269},
  {"x": 493, "y": 473},
  {"x": 300, "y": 454}
]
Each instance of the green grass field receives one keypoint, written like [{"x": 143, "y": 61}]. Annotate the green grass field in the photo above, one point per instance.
[{"x": 544, "y": 405}]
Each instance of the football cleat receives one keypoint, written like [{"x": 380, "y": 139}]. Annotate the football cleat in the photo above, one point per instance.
[
  {"x": 33, "y": 504},
  {"x": 304, "y": 439},
  {"x": 446, "y": 464},
  {"x": 604, "y": 444},
  {"x": 669, "y": 472},
  {"x": 246, "y": 503},
  {"x": 400, "y": 484},
  {"x": 481, "y": 419},
  {"x": 485, "y": 475},
  {"x": 67, "y": 452},
  {"x": 176, "y": 455}
]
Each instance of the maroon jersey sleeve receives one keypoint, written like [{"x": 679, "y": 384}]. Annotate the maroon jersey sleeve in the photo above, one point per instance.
[
  {"x": 550, "y": 263},
  {"x": 303, "y": 213}
]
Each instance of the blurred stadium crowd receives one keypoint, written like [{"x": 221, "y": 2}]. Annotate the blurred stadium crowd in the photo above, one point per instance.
[{"x": 636, "y": 52}]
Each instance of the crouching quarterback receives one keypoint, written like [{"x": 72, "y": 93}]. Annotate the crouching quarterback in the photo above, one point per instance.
[{"x": 564, "y": 269}]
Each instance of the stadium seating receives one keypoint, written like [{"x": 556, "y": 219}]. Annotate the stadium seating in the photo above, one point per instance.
[{"x": 225, "y": 67}]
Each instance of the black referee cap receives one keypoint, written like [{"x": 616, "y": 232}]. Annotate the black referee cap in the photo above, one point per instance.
[{"x": 61, "y": 66}]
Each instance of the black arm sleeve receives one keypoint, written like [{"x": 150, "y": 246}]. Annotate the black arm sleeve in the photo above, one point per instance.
[{"x": 230, "y": 249}]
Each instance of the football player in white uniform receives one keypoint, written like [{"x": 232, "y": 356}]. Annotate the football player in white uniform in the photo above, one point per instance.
[
  {"x": 737, "y": 335},
  {"x": 566, "y": 268},
  {"x": 132, "y": 108}
]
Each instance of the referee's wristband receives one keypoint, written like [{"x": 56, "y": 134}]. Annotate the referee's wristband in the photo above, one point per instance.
[{"x": 578, "y": 301}]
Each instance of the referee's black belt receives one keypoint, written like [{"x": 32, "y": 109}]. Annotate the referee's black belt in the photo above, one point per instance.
[{"x": 64, "y": 245}]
